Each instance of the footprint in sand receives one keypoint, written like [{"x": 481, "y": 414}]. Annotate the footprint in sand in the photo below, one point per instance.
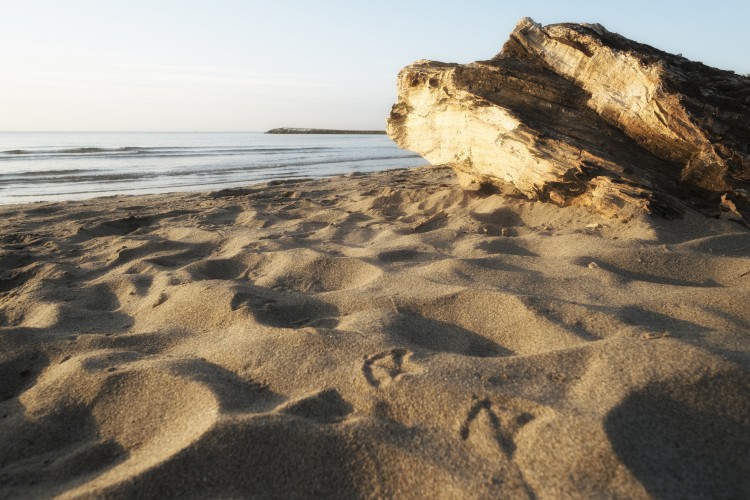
[
  {"x": 385, "y": 367},
  {"x": 117, "y": 227},
  {"x": 402, "y": 255},
  {"x": 216, "y": 269},
  {"x": 285, "y": 310},
  {"x": 490, "y": 430},
  {"x": 502, "y": 426}
]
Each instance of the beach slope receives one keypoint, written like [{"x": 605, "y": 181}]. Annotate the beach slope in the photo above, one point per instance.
[{"x": 379, "y": 335}]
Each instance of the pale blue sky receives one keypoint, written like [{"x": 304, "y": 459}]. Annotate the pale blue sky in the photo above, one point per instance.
[{"x": 231, "y": 65}]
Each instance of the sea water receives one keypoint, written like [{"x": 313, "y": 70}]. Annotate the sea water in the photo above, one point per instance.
[{"x": 53, "y": 166}]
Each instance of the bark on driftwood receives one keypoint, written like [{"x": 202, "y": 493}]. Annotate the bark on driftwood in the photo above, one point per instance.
[{"x": 574, "y": 114}]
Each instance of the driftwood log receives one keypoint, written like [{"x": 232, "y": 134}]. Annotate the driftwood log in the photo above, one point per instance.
[{"x": 575, "y": 114}]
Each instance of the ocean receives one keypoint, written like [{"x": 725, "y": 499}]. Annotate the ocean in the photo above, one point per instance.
[{"x": 54, "y": 166}]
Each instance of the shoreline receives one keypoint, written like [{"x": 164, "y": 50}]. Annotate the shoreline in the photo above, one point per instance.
[
  {"x": 89, "y": 165},
  {"x": 377, "y": 334}
]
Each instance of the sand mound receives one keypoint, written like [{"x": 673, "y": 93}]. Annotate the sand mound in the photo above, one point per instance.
[{"x": 370, "y": 335}]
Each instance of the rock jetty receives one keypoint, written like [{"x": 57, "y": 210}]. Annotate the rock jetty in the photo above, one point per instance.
[{"x": 287, "y": 130}]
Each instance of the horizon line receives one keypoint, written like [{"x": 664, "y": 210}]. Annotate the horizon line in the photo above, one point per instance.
[
  {"x": 132, "y": 131},
  {"x": 167, "y": 131}
]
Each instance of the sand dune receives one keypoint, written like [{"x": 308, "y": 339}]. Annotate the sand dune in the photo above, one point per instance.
[{"x": 380, "y": 335}]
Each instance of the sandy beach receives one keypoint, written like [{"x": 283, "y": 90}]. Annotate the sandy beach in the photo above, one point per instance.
[{"x": 378, "y": 335}]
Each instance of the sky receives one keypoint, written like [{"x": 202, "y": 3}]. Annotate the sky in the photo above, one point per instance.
[{"x": 231, "y": 65}]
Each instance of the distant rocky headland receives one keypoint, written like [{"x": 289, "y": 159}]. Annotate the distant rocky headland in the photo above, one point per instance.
[{"x": 288, "y": 130}]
